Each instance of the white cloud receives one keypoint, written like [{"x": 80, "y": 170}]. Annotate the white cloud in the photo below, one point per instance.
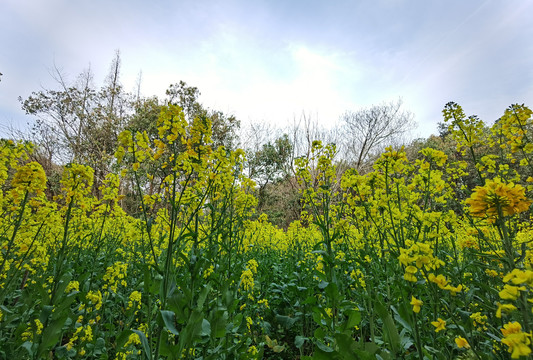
[{"x": 269, "y": 61}]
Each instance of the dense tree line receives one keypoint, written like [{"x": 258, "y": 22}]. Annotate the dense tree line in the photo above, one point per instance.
[{"x": 80, "y": 122}]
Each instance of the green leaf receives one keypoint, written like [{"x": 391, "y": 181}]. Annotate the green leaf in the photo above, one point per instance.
[
  {"x": 403, "y": 316},
  {"x": 203, "y": 296},
  {"x": 323, "y": 346},
  {"x": 122, "y": 338},
  {"x": 99, "y": 347},
  {"x": 346, "y": 345},
  {"x": 63, "y": 283},
  {"x": 332, "y": 290},
  {"x": 51, "y": 334},
  {"x": 45, "y": 313},
  {"x": 165, "y": 348},
  {"x": 28, "y": 345},
  {"x": 144, "y": 343},
  {"x": 299, "y": 341},
  {"x": 191, "y": 330},
  {"x": 319, "y": 333},
  {"x": 317, "y": 317},
  {"x": 219, "y": 320},
  {"x": 206, "y": 328},
  {"x": 278, "y": 348},
  {"x": 391, "y": 334},
  {"x": 310, "y": 300},
  {"x": 354, "y": 319},
  {"x": 169, "y": 319},
  {"x": 286, "y": 321}
]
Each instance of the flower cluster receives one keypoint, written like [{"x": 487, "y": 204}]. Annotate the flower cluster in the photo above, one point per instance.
[
  {"x": 419, "y": 256},
  {"x": 497, "y": 199}
]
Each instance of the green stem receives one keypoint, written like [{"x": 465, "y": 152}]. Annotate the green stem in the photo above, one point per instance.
[{"x": 15, "y": 230}]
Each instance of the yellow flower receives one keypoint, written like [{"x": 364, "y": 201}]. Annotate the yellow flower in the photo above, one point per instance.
[
  {"x": 209, "y": 271},
  {"x": 38, "y": 326},
  {"x": 454, "y": 289},
  {"x": 249, "y": 322},
  {"x": 30, "y": 177},
  {"x": 479, "y": 320},
  {"x": 440, "y": 280},
  {"x": 507, "y": 308},
  {"x": 510, "y": 292},
  {"x": 95, "y": 297},
  {"x": 247, "y": 280},
  {"x": 439, "y": 324},
  {"x": 329, "y": 312},
  {"x": 416, "y": 304},
  {"x": 517, "y": 341},
  {"x": 410, "y": 277},
  {"x": 135, "y": 297},
  {"x": 263, "y": 302},
  {"x": 511, "y": 328},
  {"x": 72, "y": 286},
  {"x": 491, "y": 273},
  {"x": 462, "y": 343},
  {"x": 252, "y": 265},
  {"x": 509, "y": 198},
  {"x": 518, "y": 277},
  {"x": 409, "y": 273}
]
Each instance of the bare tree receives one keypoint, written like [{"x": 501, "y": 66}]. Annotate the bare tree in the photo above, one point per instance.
[
  {"x": 78, "y": 122},
  {"x": 370, "y": 130}
]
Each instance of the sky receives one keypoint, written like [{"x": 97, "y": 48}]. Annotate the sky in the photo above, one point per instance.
[{"x": 273, "y": 60}]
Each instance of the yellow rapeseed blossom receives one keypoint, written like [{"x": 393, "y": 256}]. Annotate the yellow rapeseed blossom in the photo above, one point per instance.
[
  {"x": 247, "y": 280},
  {"x": 409, "y": 273},
  {"x": 72, "y": 286},
  {"x": 518, "y": 276},
  {"x": 249, "y": 323},
  {"x": 263, "y": 302},
  {"x": 74, "y": 337},
  {"x": 491, "y": 273},
  {"x": 208, "y": 271},
  {"x": 496, "y": 196},
  {"x": 135, "y": 297},
  {"x": 115, "y": 275},
  {"x": 252, "y": 350},
  {"x": 416, "y": 304},
  {"x": 479, "y": 320},
  {"x": 38, "y": 327},
  {"x": 518, "y": 342},
  {"x": 440, "y": 280},
  {"x": 31, "y": 178},
  {"x": 252, "y": 265},
  {"x": 95, "y": 297},
  {"x": 329, "y": 311},
  {"x": 77, "y": 181},
  {"x": 418, "y": 256},
  {"x": 439, "y": 324},
  {"x": 511, "y": 292},
  {"x": 506, "y": 308},
  {"x": 357, "y": 275},
  {"x": 462, "y": 343}
]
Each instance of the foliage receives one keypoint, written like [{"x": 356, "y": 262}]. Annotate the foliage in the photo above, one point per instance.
[{"x": 426, "y": 256}]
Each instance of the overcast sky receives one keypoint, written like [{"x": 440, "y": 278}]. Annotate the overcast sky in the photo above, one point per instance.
[{"x": 272, "y": 60}]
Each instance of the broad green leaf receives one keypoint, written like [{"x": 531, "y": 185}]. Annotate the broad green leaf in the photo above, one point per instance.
[{"x": 169, "y": 320}]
